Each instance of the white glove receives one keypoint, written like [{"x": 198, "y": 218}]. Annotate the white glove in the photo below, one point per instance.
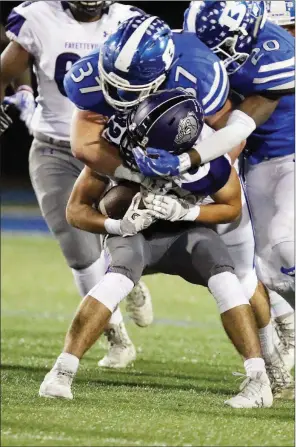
[
  {"x": 125, "y": 173},
  {"x": 24, "y": 100},
  {"x": 172, "y": 208},
  {"x": 134, "y": 220}
]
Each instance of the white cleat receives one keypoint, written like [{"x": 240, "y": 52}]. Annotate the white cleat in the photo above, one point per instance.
[
  {"x": 280, "y": 378},
  {"x": 121, "y": 350},
  {"x": 139, "y": 305},
  {"x": 286, "y": 332},
  {"x": 57, "y": 384},
  {"x": 255, "y": 392}
]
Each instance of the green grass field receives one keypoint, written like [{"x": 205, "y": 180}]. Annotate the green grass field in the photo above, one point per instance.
[{"x": 174, "y": 393}]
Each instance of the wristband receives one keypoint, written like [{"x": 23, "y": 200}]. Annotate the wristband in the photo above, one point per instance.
[
  {"x": 112, "y": 226},
  {"x": 185, "y": 162},
  {"x": 193, "y": 213}
]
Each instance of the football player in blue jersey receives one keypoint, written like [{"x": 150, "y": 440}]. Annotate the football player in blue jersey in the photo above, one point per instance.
[
  {"x": 282, "y": 13},
  {"x": 173, "y": 119},
  {"x": 159, "y": 56},
  {"x": 259, "y": 57},
  {"x": 141, "y": 56}
]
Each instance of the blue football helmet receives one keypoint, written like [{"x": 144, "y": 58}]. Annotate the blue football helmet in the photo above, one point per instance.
[
  {"x": 281, "y": 12},
  {"x": 171, "y": 120},
  {"x": 229, "y": 28},
  {"x": 134, "y": 61}
]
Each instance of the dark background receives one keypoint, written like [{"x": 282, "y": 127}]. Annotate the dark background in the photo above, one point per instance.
[{"x": 15, "y": 143}]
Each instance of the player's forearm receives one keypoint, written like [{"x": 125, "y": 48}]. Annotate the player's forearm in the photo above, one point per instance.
[
  {"x": 24, "y": 79},
  {"x": 99, "y": 155},
  {"x": 218, "y": 213},
  {"x": 85, "y": 218},
  {"x": 239, "y": 127},
  {"x": 89, "y": 146}
]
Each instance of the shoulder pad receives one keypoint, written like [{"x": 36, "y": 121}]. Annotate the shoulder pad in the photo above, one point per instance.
[
  {"x": 272, "y": 61},
  {"x": 82, "y": 85}
]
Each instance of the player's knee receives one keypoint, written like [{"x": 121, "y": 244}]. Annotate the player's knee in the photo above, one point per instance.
[
  {"x": 127, "y": 257},
  {"x": 227, "y": 291},
  {"x": 112, "y": 289}
]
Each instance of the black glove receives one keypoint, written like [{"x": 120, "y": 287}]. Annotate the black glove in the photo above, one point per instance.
[{"x": 5, "y": 120}]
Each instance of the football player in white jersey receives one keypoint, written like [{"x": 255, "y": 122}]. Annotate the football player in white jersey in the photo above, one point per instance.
[{"x": 56, "y": 34}]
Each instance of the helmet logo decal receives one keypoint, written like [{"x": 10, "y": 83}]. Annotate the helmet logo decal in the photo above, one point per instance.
[
  {"x": 187, "y": 129},
  {"x": 127, "y": 53}
]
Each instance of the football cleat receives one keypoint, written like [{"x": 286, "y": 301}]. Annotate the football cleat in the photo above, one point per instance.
[
  {"x": 255, "y": 392},
  {"x": 286, "y": 332},
  {"x": 280, "y": 378},
  {"x": 121, "y": 350},
  {"x": 139, "y": 305},
  {"x": 57, "y": 384}
]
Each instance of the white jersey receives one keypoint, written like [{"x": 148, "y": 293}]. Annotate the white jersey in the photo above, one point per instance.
[{"x": 49, "y": 32}]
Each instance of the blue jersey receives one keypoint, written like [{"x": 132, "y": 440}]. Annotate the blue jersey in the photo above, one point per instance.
[
  {"x": 196, "y": 69},
  {"x": 200, "y": 71},
  {"x": 270, "y": 71}
]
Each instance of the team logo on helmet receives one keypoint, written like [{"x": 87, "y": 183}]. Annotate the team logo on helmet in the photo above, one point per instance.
[{"x": 187, "y": 129}]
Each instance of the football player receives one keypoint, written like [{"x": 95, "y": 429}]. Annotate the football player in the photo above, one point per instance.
[
  {"x": 238, "y": 236},
  {"x": 188, "y": 249},
  {"x": 282, "y": 13},
  {"x": 259, "y": 58},
  {"x": 55, "y": 35},
  {"x": 125, "y": 86}
]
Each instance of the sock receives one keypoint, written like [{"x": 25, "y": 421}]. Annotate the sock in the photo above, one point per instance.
[
  {"x": 86, "y": 279},
  {"x": 279, "y": 306},
  {"x": 266, "y": 341},
  {"x": 116, "y": 317},
  {"x": 67, "y": 362},
  {"x": 254, "y": 365}
]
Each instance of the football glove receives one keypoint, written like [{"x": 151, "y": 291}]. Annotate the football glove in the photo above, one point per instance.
[
  {"x": 162, "y": 164},
  {"x": 135, "y": 219},
  {"x": 24, "y": 101},
  {"x": 172, "y": 208}
]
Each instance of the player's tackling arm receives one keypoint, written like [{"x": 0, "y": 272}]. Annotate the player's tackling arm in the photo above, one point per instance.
[
  {"x": 90, "y": 147},
  {"x": 87, "y": 190},
  {"x": 241, "y": 122},
  {"x": 227, "y": 206}
]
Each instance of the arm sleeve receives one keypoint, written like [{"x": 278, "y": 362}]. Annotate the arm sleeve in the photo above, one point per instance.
[{"x": 239, "y": 127}]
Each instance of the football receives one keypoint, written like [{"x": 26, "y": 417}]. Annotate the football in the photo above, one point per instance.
[{"x": 117, "y": 200}]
